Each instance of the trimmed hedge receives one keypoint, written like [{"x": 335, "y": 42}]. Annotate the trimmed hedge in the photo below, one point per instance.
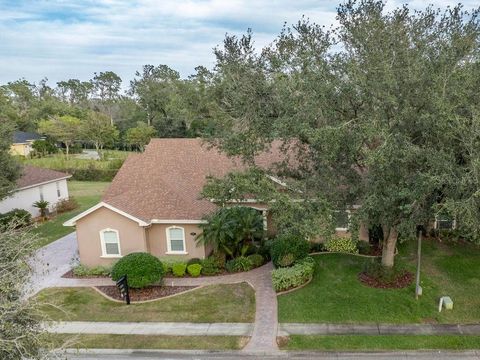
[
  {"x": 287, "y": 249},
  {"x": 179, "y": 269},
  {"x": 194, "y": 269},
  {"x": 342, "y": 244},
  {"x": 294, "y": 276},
  {"x": 91, "y": 174},
  {"x": 142, "y": 269}
]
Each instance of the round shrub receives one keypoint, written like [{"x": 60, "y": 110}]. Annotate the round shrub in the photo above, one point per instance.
[
  {"x": 194, "y": 269},
  {"x": 256, "y": 260},
  {"x": 179, "y": 269},
  {"x": 194, "y": 261},
  {"x": 342, "y": 244},
  {"x": 142, "y": 269},
  {"x": 287, "y": 249},
  {"x": 210, "y": 267},
  {"x": 239, "y": 264}
]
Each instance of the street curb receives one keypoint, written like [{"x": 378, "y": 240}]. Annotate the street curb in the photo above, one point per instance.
[{"x": 279, "y": 353}]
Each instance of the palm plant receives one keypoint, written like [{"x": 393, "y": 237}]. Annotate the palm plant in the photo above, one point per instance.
[
  {"x": 42, "y": 205},
  {"x": 231, "y": 230}
]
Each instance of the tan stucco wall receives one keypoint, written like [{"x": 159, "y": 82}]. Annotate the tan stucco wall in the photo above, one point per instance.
[
  {"x": 157, "y": 241},
  {"x": 20, "y": 149},
  {"x": 132, "y": 236}
]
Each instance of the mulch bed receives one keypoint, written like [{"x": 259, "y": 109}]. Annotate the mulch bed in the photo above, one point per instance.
[
  {"x": 70, "y": 275},
  {"x": 403, "y": 280},
  {"x": 149, "y": 293}
]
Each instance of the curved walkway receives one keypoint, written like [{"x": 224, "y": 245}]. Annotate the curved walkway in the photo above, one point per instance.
[
  {"x": 266, "y": 322},
  {"x": 55, "y": 259}
]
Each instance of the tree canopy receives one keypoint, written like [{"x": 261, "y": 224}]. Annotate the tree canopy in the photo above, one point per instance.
[{"x": 380, "y": 112}]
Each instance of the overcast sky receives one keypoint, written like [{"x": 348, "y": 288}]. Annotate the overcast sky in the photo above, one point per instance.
[{"x": 62, "y": 39}]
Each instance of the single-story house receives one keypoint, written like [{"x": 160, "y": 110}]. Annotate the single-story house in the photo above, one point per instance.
[
  {"x": 36, "y": 184},
  {"x": 154, "y": 205},
  {"x": 22, "y": 142}
]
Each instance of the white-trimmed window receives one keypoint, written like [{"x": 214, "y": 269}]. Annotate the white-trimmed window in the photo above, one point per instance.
[
  {"x": 110, "y": 243},
  {"x": 58, "y": 189},
  {"x": 176, "y": 240},
  {"x": 341, "y": 219},
  {"x": 445, "y": 222},
  {"x": 40, "y": 188}
]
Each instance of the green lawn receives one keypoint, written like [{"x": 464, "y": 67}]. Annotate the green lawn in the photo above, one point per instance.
[
  {"x": 215, "y": 303},
  {"x": 87, "y": 194},
  {"x": 380, "y": 342},
  {"x": 149, "y": 342},
  {"x": 112, "y": 159},
  {"x": 335, "y": 295}
]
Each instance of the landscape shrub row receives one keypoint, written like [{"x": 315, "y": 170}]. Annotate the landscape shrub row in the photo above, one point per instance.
[
  {"x": 82, "y": 270},
  {"x": 285, "y": 278}
]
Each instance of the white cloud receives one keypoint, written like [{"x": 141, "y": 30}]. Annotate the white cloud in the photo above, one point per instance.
[{"x": 63, "y": 39}]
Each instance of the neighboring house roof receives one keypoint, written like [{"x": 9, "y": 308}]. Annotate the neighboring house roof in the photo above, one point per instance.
[
  {"x": 33, "y": 176},
  {"x": 164, "y": 182},
  {"x": 22, "y": 137}
]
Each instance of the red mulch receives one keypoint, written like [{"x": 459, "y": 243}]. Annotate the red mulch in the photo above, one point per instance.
[
  {"x": 403, "y": 280},
  {"x": 70, "y": 275},
  {"x": 149, "y": 293}
]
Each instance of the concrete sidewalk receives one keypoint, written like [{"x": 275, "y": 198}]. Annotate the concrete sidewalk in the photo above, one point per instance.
[
  {"x": 151, "y": 328},
  {"x": 286, "y": 329}
]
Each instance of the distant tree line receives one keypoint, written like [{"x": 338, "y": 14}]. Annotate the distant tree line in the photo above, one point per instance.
[{"x": 157, "y": 103}]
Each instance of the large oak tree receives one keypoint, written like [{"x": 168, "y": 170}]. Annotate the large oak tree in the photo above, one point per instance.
[{"x": 371, "y": 109}]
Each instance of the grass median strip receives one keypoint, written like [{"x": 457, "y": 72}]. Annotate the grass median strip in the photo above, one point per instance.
[
  {"x": 379, "y": 342},
  {"x": 149, "y": 342},
  {"x": 215, "y": 303}
]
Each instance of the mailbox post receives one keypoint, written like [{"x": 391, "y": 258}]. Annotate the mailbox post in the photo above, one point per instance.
[{"x": 122, "y": 285}]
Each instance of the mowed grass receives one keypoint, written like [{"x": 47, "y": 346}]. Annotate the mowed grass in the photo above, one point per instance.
[
  {"x": 87, "y": 194},
  {"x": 335, "y": 295},
  {"x": 111, "y": 159},
  {"x": 379, "y": 342},
  {"x": 215, "y": 303},
  {"x": 149, "y": 342}
]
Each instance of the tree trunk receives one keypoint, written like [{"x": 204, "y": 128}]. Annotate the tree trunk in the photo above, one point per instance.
[
  {"x": 389, "y": 245},
  {"x": 67, "y": 148}
]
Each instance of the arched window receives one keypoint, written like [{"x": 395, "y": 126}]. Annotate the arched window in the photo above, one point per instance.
[
  {"x": 176, "y": 240},
  {"x": 110, "y": 243}
]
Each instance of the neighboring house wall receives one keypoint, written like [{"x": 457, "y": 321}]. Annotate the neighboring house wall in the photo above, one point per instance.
[
  {"x": 157, "y": 241},
  {"x": 22, "y": 149},
  {"x": 131, "y": 236},
  {"x": 24, "y": 198}
]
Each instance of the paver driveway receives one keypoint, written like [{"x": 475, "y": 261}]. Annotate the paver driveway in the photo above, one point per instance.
[{"x": 50, "y": 262}]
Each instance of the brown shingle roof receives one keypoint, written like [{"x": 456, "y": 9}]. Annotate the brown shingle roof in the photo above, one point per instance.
[
  {"x": 165, "y": 182},
  {"x": 32, "y": 175}
]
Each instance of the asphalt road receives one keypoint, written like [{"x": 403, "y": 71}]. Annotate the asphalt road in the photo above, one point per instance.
[{"x": 178, "y": 355}]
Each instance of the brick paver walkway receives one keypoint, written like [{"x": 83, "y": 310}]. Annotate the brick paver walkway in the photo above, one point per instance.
[
  {"x": 266, "y": 322},
  {"x": 53, "y": 260}
]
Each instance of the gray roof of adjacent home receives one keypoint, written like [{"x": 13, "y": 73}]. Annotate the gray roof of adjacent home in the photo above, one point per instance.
[{"x": 21, "y": 137}]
